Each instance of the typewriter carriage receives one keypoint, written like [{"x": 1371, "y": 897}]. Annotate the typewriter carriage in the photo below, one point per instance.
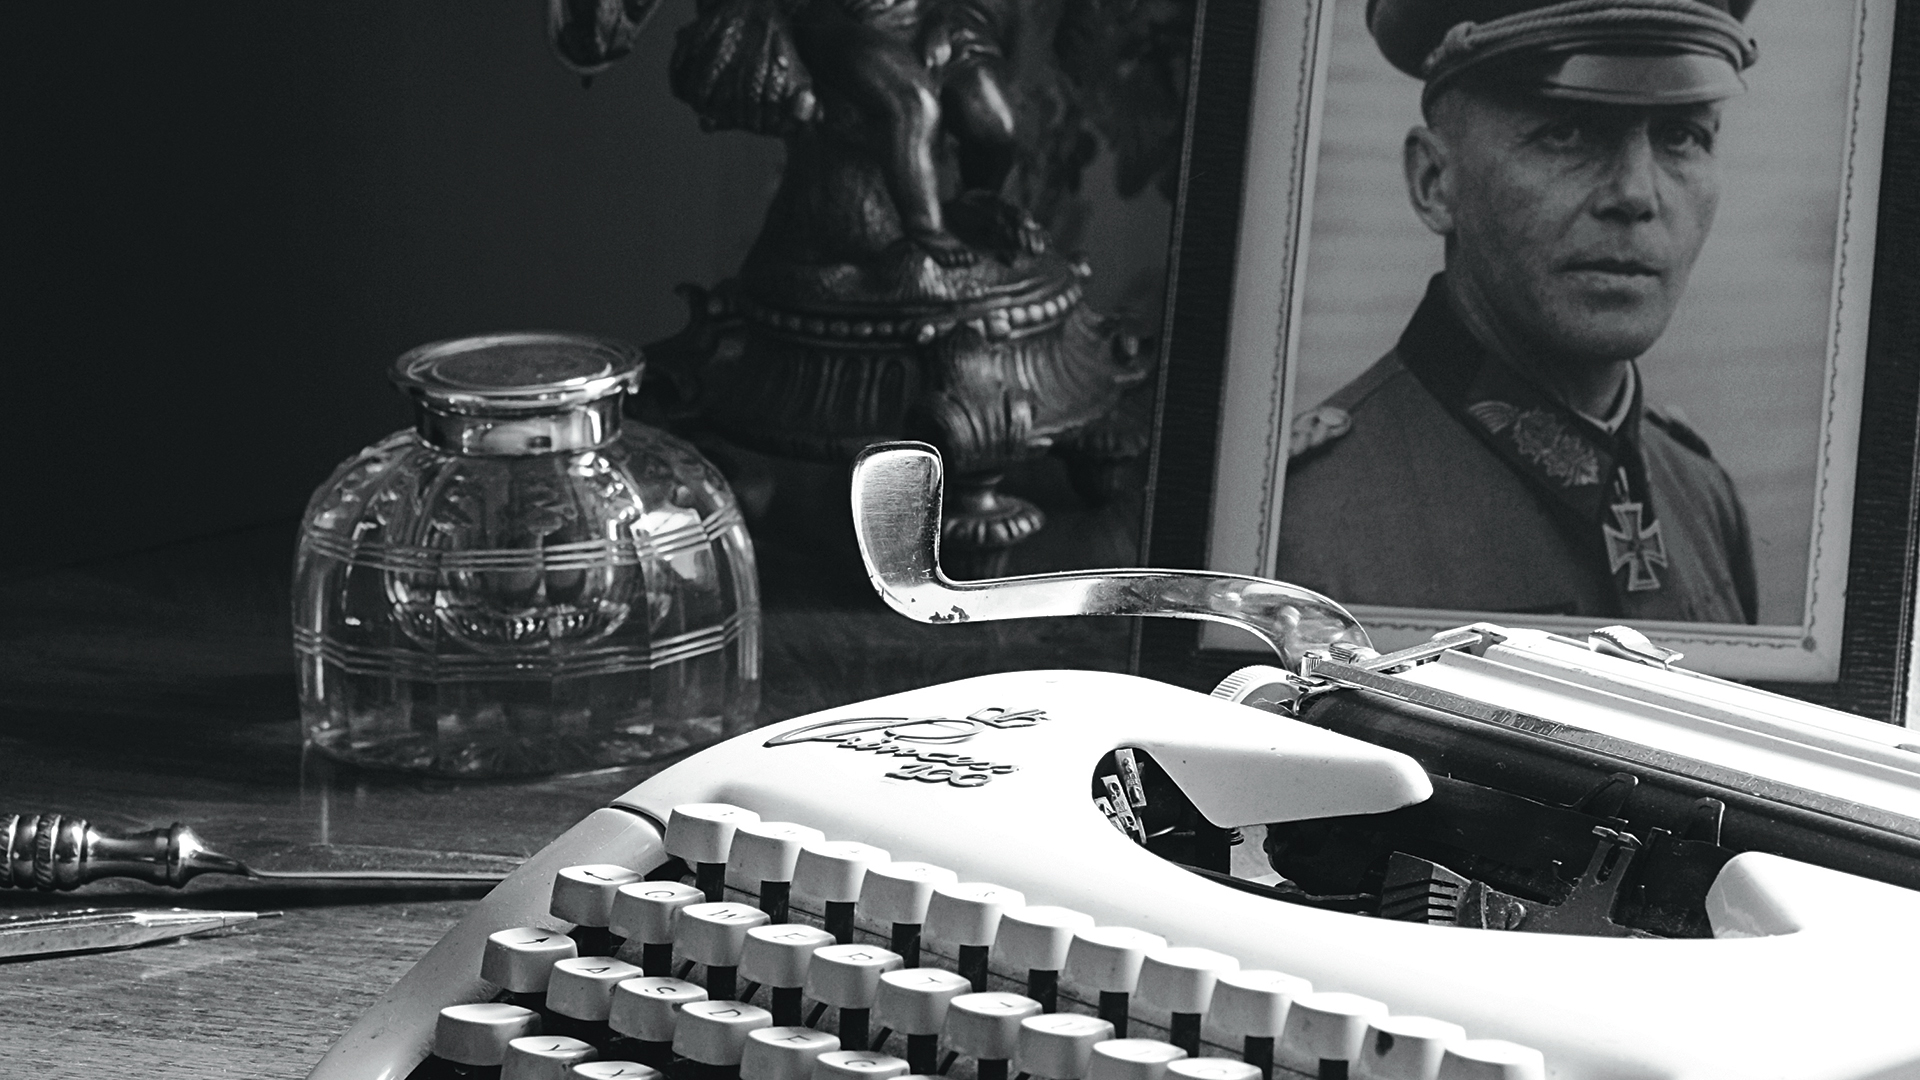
[{"x": 1526, "y": 828}]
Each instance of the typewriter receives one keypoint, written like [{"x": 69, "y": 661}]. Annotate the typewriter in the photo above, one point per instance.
[{"x": 1501, "y": 854}]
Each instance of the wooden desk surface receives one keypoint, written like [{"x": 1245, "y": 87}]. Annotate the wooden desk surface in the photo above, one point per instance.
[{"x": 158, "y": 688}]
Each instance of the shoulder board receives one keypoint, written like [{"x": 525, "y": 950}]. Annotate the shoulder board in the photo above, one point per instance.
[
  {"x": 1316, "y": 428},
  {"x": 1321, "y": 425},
  {"x": 1672, "y": 423}
]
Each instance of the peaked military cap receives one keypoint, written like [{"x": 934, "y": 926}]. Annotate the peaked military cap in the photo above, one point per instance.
[{"x": 1629, "y": 52}]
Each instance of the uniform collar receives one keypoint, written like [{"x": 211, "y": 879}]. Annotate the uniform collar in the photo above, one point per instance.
[
  {"x": 1571, "y": 457},
  {"x": 1624, "y": 404}
]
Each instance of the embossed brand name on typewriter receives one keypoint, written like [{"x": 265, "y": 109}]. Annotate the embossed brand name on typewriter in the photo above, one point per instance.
[{"x": 909, "y": 736}]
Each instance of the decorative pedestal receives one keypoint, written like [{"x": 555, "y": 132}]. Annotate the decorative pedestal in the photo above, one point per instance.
[{"x": 994, "y": 363}]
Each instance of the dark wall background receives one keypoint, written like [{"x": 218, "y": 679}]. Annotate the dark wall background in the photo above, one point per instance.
[{"x": 223, "y": 220}]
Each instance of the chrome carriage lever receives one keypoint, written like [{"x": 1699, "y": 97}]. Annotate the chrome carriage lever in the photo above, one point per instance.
[{"x": 896, "y": 516}]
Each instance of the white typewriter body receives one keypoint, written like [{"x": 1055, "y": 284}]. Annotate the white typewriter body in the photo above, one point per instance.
[{"x": 1811, "y": 973}]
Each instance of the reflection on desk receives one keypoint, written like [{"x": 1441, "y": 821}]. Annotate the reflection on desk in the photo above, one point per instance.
[{"x": 159, "y": 687}]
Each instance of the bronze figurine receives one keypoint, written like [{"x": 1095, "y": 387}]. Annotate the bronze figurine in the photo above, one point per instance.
[{"x": 869, "y": 307}]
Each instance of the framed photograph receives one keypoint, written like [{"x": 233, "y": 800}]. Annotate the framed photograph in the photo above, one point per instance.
[{"x": 1786, "y": 373}]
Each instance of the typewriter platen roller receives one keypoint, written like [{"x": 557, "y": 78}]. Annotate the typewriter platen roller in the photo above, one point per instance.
[
  {"x": 1613, "y": 818},
  {"x": 1506, "y": 854}
]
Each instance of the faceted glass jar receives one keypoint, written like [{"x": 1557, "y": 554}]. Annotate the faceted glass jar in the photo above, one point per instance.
[{"x": 524, "y": 583}]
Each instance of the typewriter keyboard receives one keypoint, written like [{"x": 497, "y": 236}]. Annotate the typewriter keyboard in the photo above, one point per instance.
[{"x": 768, "y": 951}]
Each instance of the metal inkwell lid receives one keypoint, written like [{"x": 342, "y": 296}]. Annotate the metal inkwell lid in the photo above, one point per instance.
[{"x": 521, "y": 393}]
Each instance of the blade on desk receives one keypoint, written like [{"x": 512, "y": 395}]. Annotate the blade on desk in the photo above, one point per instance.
[{"x": 93, "y": 928}]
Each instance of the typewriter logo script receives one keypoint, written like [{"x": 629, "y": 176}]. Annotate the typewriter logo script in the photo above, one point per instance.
[{"x": 916, "y": 738}]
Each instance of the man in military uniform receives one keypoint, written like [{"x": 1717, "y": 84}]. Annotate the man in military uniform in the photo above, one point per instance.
[{"x": 1501, "y": 458}]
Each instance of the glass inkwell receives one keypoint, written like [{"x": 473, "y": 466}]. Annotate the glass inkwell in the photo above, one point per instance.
[{"x": 525, "y": 582}]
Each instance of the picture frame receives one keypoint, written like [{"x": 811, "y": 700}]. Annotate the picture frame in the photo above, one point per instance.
[{"x": 1236, "y": 290}]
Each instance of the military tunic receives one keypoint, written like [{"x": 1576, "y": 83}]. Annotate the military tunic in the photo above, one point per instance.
[{"x": 1440, "y": 478}]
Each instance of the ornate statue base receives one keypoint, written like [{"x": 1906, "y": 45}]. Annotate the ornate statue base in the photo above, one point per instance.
[
  {"x": 995, "y": 361},
  {"x": 868, "y": 309}
]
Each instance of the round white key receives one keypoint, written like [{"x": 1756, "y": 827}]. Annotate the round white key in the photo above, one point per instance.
[
  {"x": 914, "y": 1001},
  {"x": 783, "y": 1053},
  {"x": 583, "y": 987},
  {"x": 1405, "y": 1048},
  {"x": 1036, "y": 938},
  {"x": 522, "y": 959},
  {"x": 479, "y": 1034},
  {"x": 583, "y": 895},
  {"x": 702, "y": 832},
  {"x": 1212, "y": 1068},
  {"x": 858, "y": 1065},
  {"x": 848, "y": 976},
  {"x": 986, "y": 1027},
  {"x": 614, "y": 1070},
  {"x": 646, "y": 1008},
  {"x": 715, "y": 1032},
  {"x": 646, "y": 911},
  {"x": 1131, "y": 1059},
  {"x": 1253, "y": 1003},
  {"x": 832, "y": 870},
  {"x": 779, "y": 955},
  {"x": 1107, "y": 958},
  {"x": 1057, "y": 1046},
  {"x": 898, "y": 892},
  {"x": 714, "y": 934},
  {"x": 1329, "y": 1026},
  {"x": 544, "y": 1057},
  {"x": 968, "y": 913},
  {"x": 1491, "y": 1059},
  {"x": 766, "y": 851},
  {"x": 1182, "y": 979}
]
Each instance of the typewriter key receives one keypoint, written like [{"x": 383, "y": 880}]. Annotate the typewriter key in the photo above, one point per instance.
[
  {"x": 848, "y": 978},
  {"x": 713, "y": 935},
  {"x": 1211, "y": 1068},
  {"x": 699, "y": 834},
  {"x": 1181, "y": 981},
  {"x": 896, "y": 895},
  {"x": 967, "y": 916},
  {"x": 783, "y": 1053},
  {"x": 762, "y": 858},
  {"x": 832, "y": 872},
  {"x": 544, "y": 1057},
  {"x": 477, "y": 1035},
  {"x": 1405, "y": 1048},
  {"x": 1035, "y": 940},
  {"x": 1058, "y": 1046},
  {"x": 1132, "y": 1059},
  {"x": 583, "y": 895},
  {"x": 857, "y": 1065},
  {"x": 645, "y": 1010},
  {"x": 777, "y": 957},
  {"x": 580, "y": 995},
  {"x": 1251, "y": 1006},
  {"x": 1491, "y": 1059},
  {"x": 914, "y": 1003},
  {"x": 714, "y": 1034},
  {"x": 520, "y": 961},
  {"x": 647, "y": 912},
  {"x": 986, "y": 1027},
  {"x": 1107, "y": 959},
  {"x": 1324, "y": 1031},
  {"x": 614, "y": 1070}
]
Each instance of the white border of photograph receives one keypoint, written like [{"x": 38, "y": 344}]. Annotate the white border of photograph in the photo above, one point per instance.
[{"x": 1258, "y": 401}]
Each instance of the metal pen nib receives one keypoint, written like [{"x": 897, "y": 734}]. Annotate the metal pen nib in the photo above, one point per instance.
[
  {"x": 96, "y": 928},
  {"x": 52, "y": 852}
]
